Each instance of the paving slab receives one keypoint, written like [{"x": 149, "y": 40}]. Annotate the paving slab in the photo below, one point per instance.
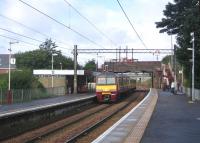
[{"x": 174, "y": 120}]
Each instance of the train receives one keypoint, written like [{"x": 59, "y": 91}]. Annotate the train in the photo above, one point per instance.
[{"x": 110, "y": 87}]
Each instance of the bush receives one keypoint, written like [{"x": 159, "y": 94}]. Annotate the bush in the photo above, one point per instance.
[{"x": 20, "y": 79}]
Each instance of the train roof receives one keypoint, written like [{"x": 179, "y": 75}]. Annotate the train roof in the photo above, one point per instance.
[
  {"x": 106, "y": 74},
  {"x": 111, "y": 74}
]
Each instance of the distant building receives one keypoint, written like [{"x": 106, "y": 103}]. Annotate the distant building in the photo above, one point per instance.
[{"x": 4, "y": 63}]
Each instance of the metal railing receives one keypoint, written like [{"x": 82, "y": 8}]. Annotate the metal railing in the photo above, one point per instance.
[{"x": 25, "y": 95}]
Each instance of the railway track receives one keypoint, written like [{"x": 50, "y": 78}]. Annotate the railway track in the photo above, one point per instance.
[
  {"x": 74, "y": 127},
  {"x": 101, "y": 121}
]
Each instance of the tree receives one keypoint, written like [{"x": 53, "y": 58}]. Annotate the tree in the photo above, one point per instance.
[
  {"x": 41, "y": 58},
  {"x": 181, "y": 18},
  {"x": 90, "y": 65},
  {"x": 166, "y": 59},
  {"x": 22, "y": 79}
]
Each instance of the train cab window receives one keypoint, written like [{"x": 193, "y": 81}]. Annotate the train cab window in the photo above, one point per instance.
[
  {"x": 110, "y": 80},
  {"x": 101, "y": 80}
]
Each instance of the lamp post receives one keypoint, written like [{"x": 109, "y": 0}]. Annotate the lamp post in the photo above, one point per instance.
[
  {"x": 193, "y": 50},
  {"x": 52, "y": 72},
  {"x": 9, "y": 98},
  {"x": 61, "y": 66},
  {"x": 192, "y": 34},
  {"x": 9, "y": 63}
]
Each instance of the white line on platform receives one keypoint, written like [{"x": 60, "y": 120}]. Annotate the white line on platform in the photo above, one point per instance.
[{"x": 102, "y": 136}]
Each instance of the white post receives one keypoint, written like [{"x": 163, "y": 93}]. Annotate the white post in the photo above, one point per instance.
[
  {"x": 75, "y": 69},
  {"x": 9, "y": 67},
  {"x": 61, "y": 66},
  {"x": 172, "y": 51},
  {"x": 52, "y": 71},
  {"x": 9, "y": 63},
  {"x": 193, "y": 96},
  {"x": 182, "y": 80}
]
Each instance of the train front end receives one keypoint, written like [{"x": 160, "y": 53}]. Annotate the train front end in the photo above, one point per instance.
[{"x": 106, "y": 88}]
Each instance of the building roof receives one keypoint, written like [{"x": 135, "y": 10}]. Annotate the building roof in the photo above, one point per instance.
[
  {"x": 4, "y": 61},
  {"x": 57, "y": 72}
]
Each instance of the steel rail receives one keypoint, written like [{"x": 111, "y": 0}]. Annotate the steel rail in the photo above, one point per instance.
[{"x": 89, "y": 129}]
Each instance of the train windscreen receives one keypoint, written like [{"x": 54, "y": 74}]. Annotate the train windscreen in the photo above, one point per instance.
[
  {"x": 101, "y": 80},
  {"x": 108, "y": 80}
]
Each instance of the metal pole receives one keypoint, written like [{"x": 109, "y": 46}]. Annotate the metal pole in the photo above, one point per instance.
[
  {"x": 152, "y": 84},
  {"x": 193, "y": 94},
  {"x": 172, "y": 52},
  {"x": 61, "y": 66},
  {"x": 116, "y": 54},
  {"x": 119, "y": 54},
  {"x": 52, "y": 71},
  {"x": 75, "y": 69},
  {"x": 182, "y": 80},
  {"x": 126, "y": 52},
  {"x": 175, "y": 80},
  {"x": 9, "y": 67},
  {"x": 97, "y": 64},
  {"x": 132, "y": 54},
  {"x": 9, "y": 75}
]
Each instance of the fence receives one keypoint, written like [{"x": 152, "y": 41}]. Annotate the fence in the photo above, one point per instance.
[
  {"x": 188, "y": 92},
  {"x": 24, "y": 95}
]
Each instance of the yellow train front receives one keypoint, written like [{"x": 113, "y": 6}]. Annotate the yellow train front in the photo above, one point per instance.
[{"x": 111, "y": 86}]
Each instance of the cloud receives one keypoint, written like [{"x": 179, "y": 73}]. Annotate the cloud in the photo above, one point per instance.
[{"x": 106, "y": 15}]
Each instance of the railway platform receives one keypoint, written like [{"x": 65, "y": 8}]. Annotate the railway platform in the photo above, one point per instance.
[
  {"x": 130, "y": 128},
  {"x": 175, "y": 120},
  {"x": 161, "y": 117},
  {"x": 14, "y": 109}
]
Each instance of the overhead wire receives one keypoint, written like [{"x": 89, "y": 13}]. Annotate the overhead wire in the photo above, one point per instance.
[
  {"x": 25, "y": 37},
  {"x": 23, "y": 25},
  {"x": 11, "y": 38},
  {"x": 132, "y": 25},
  {"x": 55, "y": 20},
  {"x": 30, "y": 28},
  {"x": 20, "y": 35},
  {"x": 95, "y": 27}
]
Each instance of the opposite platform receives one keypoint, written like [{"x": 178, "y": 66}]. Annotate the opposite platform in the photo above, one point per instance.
[
  {"x": 174, "y": 120},
  {"x": 13, "y": 109}
]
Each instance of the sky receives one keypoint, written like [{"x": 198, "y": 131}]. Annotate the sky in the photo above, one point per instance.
[{"x": 105, "y": 15}]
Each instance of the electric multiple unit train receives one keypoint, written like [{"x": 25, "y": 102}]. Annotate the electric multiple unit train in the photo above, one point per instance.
[{"x": 110, "y": 87}]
